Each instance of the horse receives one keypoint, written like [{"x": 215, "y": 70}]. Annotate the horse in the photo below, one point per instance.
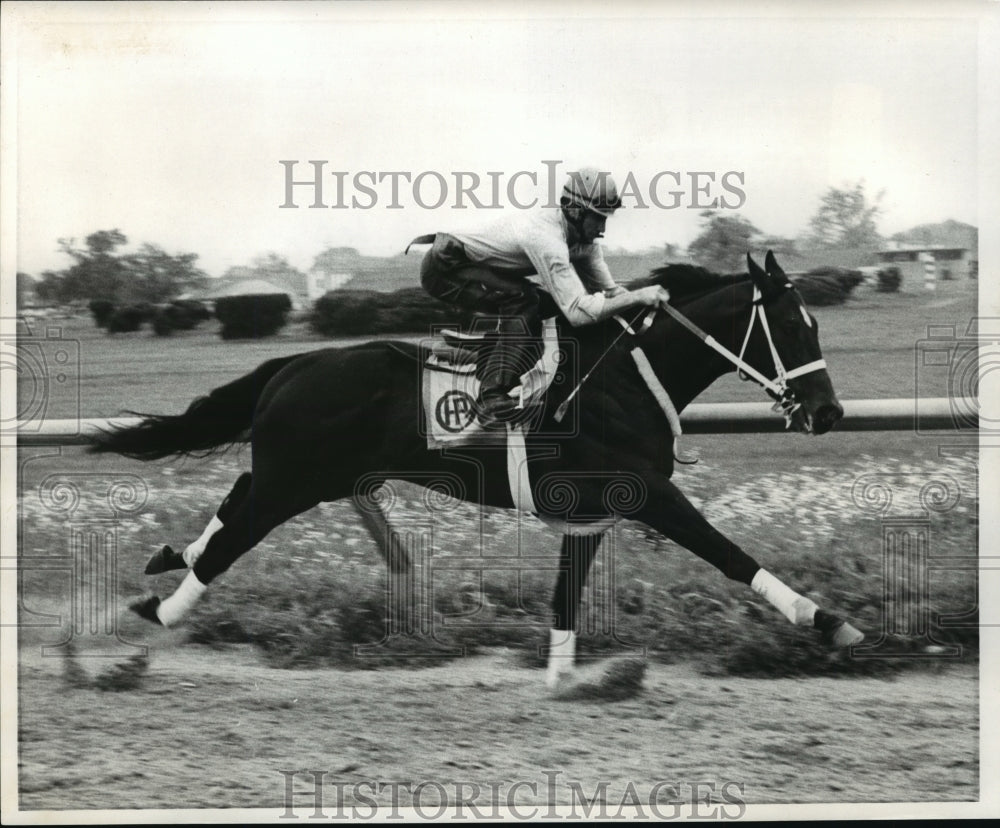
[{"x": 325, "y": 422}]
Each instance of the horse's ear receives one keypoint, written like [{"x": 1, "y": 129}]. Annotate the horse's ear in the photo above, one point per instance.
[
  {"x": 772, "y": 267},
  {"x": 758, "y": 275}
]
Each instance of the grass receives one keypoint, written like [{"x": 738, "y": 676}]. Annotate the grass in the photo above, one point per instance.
[{"x": 315, "y": 591}]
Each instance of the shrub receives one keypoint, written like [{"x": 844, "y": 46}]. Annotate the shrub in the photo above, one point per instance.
[
  {"x": 127, "y": 319},
  {"x": 252, "y": 316},
  {"x": 185, "y": 314},
  {"x": 345, "y": 313},
  {"x": 102, "y": 309},
  {"x": 162, "y": 326},
  {"x": 359, "y": 312},
  {"x": 145, "y": 310},
  {"x": 180, "y": 315},
  {"x": 889, "y": 280},
  {"x": 828, "y": 285}
]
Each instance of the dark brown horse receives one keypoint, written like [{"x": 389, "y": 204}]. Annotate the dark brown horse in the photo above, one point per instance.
[{"x": 326, "y": 422}]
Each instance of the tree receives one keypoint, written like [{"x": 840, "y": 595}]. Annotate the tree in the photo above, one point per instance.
[
  {"x": 156, "y": 276},
  {"x": 25, "y": 287},
  {"x": 846, "y": 218},
  {"x": 723, "y": 242},
  {"x": 270, "y": 268},
  {"x": 335, "y": 260},
  {"x": 99, "y": 272},
  {"x": 782, "y": 247}
]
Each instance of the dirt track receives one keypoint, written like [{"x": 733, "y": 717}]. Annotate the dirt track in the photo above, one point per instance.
[{"x": 216, "y": 729}]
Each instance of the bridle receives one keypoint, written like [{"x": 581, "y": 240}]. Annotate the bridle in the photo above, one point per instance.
[{"x": 778, "y": 387}]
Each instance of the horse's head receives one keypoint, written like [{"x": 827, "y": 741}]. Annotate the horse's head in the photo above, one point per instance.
[{"x": 787, "y": 350}]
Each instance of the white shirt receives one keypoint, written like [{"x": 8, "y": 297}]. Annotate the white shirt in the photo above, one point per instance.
[{"x": 527, "y": 242}]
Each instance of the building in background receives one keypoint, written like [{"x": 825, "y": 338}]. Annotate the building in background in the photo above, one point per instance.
[
  {"x": 923, "y": 265},
  {"x": 221, "y": 288},
  {"x": 319, "y": 283}
]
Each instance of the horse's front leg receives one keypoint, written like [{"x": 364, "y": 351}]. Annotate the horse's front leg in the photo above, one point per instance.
[
  {"x": 575, "y": 558},
  {"x": 667, "y": 510}
]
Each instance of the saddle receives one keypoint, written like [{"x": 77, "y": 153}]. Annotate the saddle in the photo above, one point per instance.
[
  {"x": 451, "y": 379},
  {"x": 458, "y": 349}
]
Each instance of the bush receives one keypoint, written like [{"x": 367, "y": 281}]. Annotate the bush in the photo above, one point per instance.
[
  {"x": 252, "y": 316},
  {"x": 162, "y": 325},
  {"x": 127, "y": 319},
  {"x": 889, "y": 280},
  {"x": 102, "y": 309},
  {"x": 146, "y": 310},
  {"x": 345, "y": 313},
  {"x": 359, "y": 312},
  {"x": 828, "y": 285},
  {"x": 185, "y": 314},
  {"x": 181, "y": 315}
]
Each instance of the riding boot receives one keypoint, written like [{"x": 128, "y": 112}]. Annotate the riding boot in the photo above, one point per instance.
[{"x": 511, "y": 356}]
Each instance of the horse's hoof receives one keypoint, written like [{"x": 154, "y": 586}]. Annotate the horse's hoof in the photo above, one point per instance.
[
  {"x": 616, "y": 679},
  {"x": 164, "y": 561},
  {"x": 558, "y": 679},
  {"x": 837, "y": 632},
  {"x": 847, "y": 636},
  {"x": 146, "y": 608}
]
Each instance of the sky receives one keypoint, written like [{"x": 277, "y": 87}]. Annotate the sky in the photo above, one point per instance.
[{"x": 169, "y": 122}]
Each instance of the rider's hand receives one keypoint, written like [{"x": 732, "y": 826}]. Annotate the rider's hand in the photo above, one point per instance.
[{"x": 653, "y": 296}]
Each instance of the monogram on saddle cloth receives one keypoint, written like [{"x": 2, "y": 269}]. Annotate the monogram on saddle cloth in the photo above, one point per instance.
[{"x": 451, "y": 387}]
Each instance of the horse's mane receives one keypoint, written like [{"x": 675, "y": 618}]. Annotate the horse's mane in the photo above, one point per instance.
[{"x": 686, "y": 282}]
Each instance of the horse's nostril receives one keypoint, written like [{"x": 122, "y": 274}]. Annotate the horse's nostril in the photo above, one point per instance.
[{"x": 827, "y": 416}]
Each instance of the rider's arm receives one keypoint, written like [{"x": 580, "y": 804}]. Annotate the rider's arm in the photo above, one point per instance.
[
  {"x": 594, "y": 270},
  {"x": 561, "y": 280}
]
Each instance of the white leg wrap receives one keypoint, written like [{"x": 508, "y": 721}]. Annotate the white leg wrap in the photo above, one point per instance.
[
  {"x": 562, "y": 654},
  {"x": 174, "y": 608},
  {"x": 788, "y": 602},
  {"x": 194, "y": 550}
]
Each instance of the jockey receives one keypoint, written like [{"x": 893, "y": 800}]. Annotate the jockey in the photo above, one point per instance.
[{"x": 488, "y": 272}]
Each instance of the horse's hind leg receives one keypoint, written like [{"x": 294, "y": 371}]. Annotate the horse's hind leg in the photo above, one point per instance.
[
  {"x": 256, "y": 514},
  {"x": 167, "y": 559}
]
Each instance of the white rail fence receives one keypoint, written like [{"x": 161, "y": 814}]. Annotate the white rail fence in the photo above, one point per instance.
[{"x": 918, "y": 415}]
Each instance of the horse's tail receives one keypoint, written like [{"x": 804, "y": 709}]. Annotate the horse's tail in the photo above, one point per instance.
[{"x": 211, "y": 424}]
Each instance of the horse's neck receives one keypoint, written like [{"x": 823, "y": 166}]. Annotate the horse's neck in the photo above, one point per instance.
[{"x": 686, "y": 365}]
